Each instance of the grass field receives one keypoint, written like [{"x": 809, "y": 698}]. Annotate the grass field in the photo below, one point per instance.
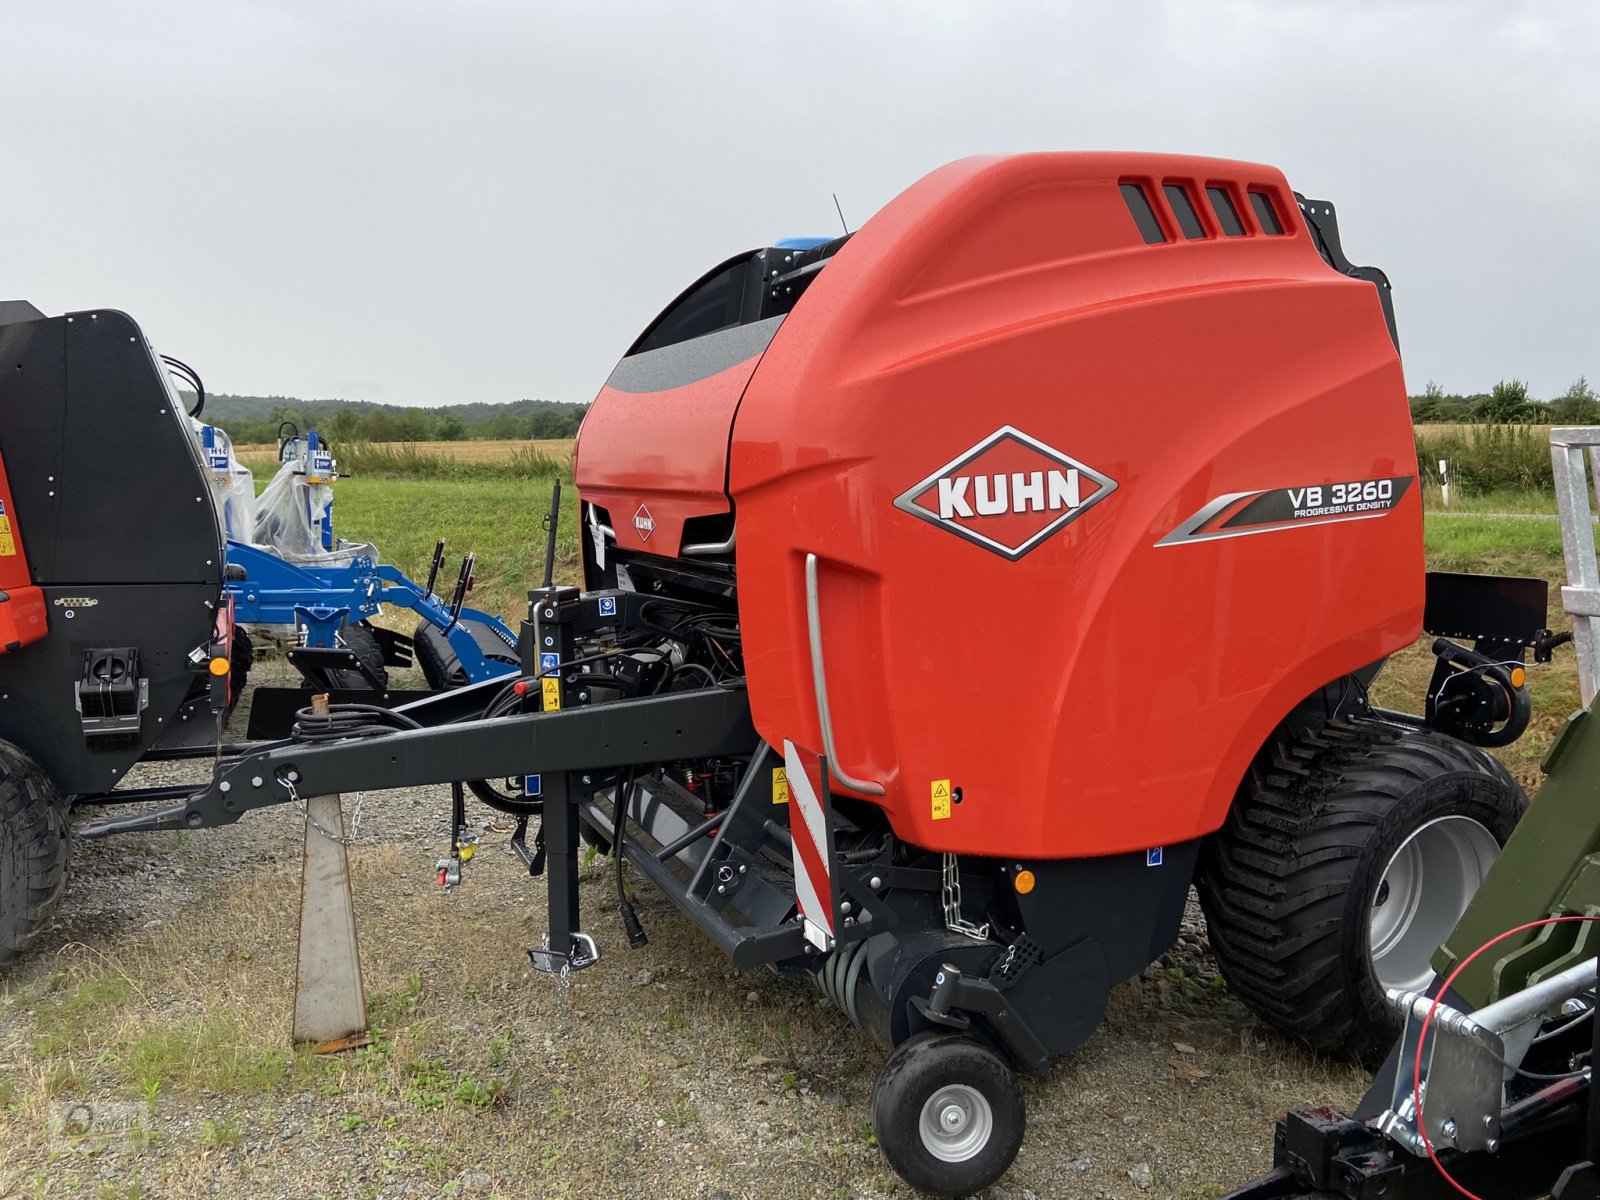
[
  {"x": 501, "y": 521},
  {"x": 1434, "y": 430},
  {"x": 258, "y": 456}
]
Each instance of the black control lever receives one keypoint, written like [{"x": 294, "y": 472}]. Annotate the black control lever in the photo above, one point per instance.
[
  {"x": 551, "y": 520},
  {"x": 433, "y": 571},
  {"x": 463, "y": 582}
]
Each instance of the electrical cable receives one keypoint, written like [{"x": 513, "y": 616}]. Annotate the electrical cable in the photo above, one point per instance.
[
  {"x": 189, "y": 375},
  {"x": 1422, "y": 1038},
  {"x": 348, "y": 721}
]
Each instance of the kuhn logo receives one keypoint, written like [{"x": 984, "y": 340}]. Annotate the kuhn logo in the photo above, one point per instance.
[
  {"x": 1007, "y": 494},
  {"x": 644, "y": 523}
]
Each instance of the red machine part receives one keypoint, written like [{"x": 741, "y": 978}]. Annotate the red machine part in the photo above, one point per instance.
[
  {"x": 1026, "y": 442},
  {"x": 22, "y": 607}
]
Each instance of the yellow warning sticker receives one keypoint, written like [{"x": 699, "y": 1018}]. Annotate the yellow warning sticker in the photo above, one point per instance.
[
  {"x": 551, "y": 691},
  {"x": 7, "y": 545},
  {"x": 941, "y": 799},
  {"x": 780, "y": 785}
]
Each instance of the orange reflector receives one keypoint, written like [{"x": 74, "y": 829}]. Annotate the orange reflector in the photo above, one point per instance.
[
  {"x": 1518, "y": 676},
  {"x": 1024, "y": 882},
  {"x": 220, "y": 667}
]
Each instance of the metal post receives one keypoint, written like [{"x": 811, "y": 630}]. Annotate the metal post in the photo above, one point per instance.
[
  {"x": 551, "y": 627},
  {"x": 561, "y": 867},
  {"x": 1581, "y": 596},
  {"x": 330, "y": 1007}
]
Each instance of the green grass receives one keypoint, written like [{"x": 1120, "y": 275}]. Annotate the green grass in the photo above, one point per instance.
[
  {"x": 1495, "y": 544},
  {"x": 498, "y": 519}
]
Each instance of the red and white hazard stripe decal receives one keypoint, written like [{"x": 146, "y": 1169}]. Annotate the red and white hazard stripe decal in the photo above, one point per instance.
[{"x": 812, "y": 845}]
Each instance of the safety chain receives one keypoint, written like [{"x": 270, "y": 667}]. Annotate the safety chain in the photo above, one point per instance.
[
  {"x": 340, "y": 839},
  {"x": 950, "y": 893}
]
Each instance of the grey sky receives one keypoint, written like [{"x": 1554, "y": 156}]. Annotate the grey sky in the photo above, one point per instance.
[{"x": 428, "y": 203}]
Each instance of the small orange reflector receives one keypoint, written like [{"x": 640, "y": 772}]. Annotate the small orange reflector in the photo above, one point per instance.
[
  {"x": 1024, "y": 882},
  {"x": 1519, "y": 676},
  {"x": 220, "y": 667}
]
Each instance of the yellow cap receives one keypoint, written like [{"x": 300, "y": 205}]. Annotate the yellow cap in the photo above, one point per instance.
[
  {"x": 220, "y": 667},
  {"x": 1024, "y": 882}
]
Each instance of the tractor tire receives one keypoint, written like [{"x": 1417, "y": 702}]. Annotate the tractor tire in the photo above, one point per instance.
[
  {"x": 34, "y": 845},
  {"x": 948, "y": 1114},
  {"x": 1313, "y": 888},
  {"x": 241, "y": 659},
  {"x": 365, "y": 644}
]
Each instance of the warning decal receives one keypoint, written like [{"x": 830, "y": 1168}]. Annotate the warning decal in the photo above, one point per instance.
[
  {"x": 941, "y": 799},
  {"x": 550, "y": 689},
  {"x": 813, "y": 845},
  {"x": 8, "y": 545},
  {"x": 780, "y": 785}
]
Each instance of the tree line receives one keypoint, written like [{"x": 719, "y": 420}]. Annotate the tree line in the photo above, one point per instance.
[
  {"x": 1508, "y": 403},
  {"x": 251, "y": 420}
]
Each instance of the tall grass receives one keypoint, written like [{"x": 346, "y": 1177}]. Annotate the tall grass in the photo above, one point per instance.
[
  {"x": 1489, "y": 458},
  {"x": 402, "y": 460}
]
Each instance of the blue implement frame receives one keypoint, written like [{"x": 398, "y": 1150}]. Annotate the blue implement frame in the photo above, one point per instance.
[{"x": 323, "y": 598}]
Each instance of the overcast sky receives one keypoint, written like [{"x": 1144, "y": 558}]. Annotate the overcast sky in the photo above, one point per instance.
[{"x": 427, "y": 203}]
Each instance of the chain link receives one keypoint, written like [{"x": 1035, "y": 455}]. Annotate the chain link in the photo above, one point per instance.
[
  {"x": 950, "y": 893},
  {"x": 338, "y": 838}
]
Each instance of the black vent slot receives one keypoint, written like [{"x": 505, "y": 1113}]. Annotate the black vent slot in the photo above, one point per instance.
[
  {"x": 1227, "y": 215},
  {"x": 1261, "y": 204},
  {"x": 1183, "y": 209},
  {"x": 1144, "y": 216}
]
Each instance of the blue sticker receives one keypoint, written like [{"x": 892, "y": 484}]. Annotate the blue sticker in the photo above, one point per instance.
[
  {"x": 549, "y": 662},
  {"x": 608, "y": 606},
  {"x": 533, "y": 785},
  {"x": 1152, "y": 856}
]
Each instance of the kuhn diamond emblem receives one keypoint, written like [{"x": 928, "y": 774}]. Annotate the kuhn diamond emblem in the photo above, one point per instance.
[
  {"x": 644, "y": 523},
  {"x": 1007, "y": 494}
]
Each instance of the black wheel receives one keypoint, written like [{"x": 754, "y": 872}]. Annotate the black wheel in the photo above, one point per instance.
[
  {"x": 1349, "y": 855},
  {"x": 440, "y": 664},
  {"x": 241, "y": 659},
  {"x": 34, "y": 842},
  {"x": 948, "y": 1114},
  {"x": 365, "y": 644}
]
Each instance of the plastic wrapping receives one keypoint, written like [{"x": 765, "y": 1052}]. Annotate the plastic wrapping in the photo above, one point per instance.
[
  {"x": 290, "y": 513},
  {"x": 233, "y": 487}
]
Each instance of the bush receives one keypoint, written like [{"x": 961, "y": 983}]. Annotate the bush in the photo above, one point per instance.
[{"x": 1489, "y": 458}]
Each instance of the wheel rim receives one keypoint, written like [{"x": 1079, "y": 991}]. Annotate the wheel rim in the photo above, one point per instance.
[
  {"x": 956, "y": 1123},
  {"x": 1424, "y": 889}
]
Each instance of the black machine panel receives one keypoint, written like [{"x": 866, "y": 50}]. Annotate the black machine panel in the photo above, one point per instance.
[
  {"x": 115, "y": 516},
  {"x": 105, "y": 476}
]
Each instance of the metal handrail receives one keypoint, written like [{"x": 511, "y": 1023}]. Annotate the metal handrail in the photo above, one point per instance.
[{"x": 819, "y": 680}]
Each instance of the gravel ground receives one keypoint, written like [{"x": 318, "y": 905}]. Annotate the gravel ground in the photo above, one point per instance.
[{"x": 144, "y": 1047}]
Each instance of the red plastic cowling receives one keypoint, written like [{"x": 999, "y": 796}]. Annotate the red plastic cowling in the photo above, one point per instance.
[
  {"x": 1004, "y": 345},
  {"x": 22, "y": 606}
]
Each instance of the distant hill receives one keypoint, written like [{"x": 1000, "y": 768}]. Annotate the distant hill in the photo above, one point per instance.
[{"x": 251, "y": 419}]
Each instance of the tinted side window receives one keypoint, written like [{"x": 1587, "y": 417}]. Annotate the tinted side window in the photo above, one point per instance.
[{"x": 713, "y": 305}]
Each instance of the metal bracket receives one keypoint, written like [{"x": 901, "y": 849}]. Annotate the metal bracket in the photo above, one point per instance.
[
  {"x": 583, "y": 953},
  {"x": 1467, "y": 1060}
]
